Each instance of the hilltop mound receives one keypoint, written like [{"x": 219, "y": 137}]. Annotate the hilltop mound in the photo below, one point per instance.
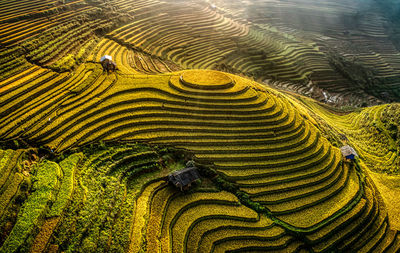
[{"x": 281, "y": 185}]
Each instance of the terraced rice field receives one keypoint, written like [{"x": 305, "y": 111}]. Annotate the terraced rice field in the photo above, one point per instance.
[
  {"x": 131, "y": 61},
  {"x": 373, "y": 131},
  {"x": 291, "y": 188},
  {"x": 184, "y": 34},
  {"x": 269, "y": 44},
  {"x": 339, "y": 53},
  {"x": 355, "y": 30},
  {"x": 84, "y": 153},
  {"x": 22, "y": 20}
]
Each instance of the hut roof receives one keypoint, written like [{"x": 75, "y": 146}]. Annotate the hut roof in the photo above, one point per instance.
[
  {"x": 184, "y": 177},
  {"x": 108, "y": 57},
  {"x": 347, "y": 150}
]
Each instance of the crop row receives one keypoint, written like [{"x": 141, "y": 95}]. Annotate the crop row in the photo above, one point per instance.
[
  {"x": 203, "y": 220},
  {"x": 186, "y": 43},
  {"x": 295, "y": 180},
  {"x": 43, "y": 91},
  {"x": 116, "y": 124},
  {"x": 64, "y": 44},
  {"x": 134, "y": 165},
  {"x": 26, "y": 8},
  {"x": 52, "y": 95},
  {"x": 13, "y": 67},
  {"x": 100, "y": 211},
  {"x": 94, "y": 83},
  {"x": 171, "y": 34},
  {"x": 68, "y": 167},
  {"x": 131, "y": 61},
  {"x": 30, "y": 28},
  {"x": 152, "y": 98}
]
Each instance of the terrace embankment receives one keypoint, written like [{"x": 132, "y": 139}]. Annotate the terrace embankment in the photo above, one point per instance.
[{"x": 282, "y": 184}]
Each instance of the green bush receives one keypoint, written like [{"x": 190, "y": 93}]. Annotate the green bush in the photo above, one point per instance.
[
  {"x": 67, "y": 186},
  {"x": 64, "y": 64},
  {"x": 34, "y": 207}
]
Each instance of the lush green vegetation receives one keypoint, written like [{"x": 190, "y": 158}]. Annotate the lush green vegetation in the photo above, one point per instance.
[
  {"x": 64, "y": 194},
  {"x": 44, "y": 186}
]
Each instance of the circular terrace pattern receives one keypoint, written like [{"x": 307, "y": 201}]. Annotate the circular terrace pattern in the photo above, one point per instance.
[
  {"x": 253, "y": 136},
  {"x": 206, "y": 80}
]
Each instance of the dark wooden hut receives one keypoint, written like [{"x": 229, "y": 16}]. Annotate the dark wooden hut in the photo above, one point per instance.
[
  {"x": 107, "y": 63},
  {"x": 184, "y": 178}
]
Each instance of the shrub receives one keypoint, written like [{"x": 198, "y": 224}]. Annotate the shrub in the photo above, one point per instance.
[
  {"x": 67, "y": 186},
  {"x": 64, "y": 64},
  {"x": 34, "y": 207}
]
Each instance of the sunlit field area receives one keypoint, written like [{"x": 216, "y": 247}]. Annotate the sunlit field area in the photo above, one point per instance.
[{"x": 199, "y": 126}]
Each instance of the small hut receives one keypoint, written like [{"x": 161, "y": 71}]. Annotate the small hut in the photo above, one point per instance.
[
  {"x": 348, "y": 152},
  {"x": 184, "y": 178},
  {"x": 107, "y": 63}
]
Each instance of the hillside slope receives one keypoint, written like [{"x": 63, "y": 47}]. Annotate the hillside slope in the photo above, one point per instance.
[
  {"x": 343, "y": 53},
  {"x": 374, "y": 132},
  {"x": 286, "y": 186},
  {"x": 84, "y": 153}
]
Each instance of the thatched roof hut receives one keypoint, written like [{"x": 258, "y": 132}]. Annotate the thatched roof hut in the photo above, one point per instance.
[
  {"x": 107, "y": 63},
  {"x": 348, "y": 152}
]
